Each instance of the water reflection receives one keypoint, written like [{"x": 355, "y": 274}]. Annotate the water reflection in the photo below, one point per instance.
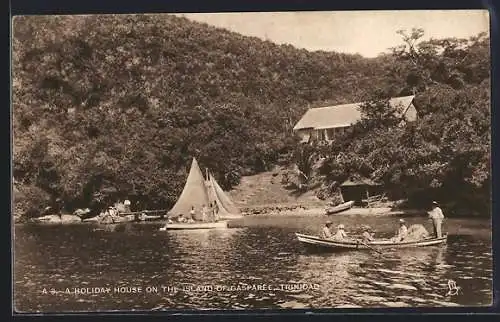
[{"x": 263, "y": 264}]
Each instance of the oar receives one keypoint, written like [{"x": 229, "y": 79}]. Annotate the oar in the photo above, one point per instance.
[
  {"x": 371, "y": 248},
  {"x": 379, "y": 252}
]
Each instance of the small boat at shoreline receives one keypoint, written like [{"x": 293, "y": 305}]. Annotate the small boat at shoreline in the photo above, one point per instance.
[
  {"x": 125, "y": 217},
  {"x": 318, "y": 242},
  {"x": 56, "y": 219},
  {"x": 196, "y": 225},
  {"x": 339, "y": 208}
]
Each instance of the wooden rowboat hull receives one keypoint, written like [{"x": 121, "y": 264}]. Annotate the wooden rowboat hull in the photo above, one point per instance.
[
  {"x": 339, "y": 208},
  {"x": 208, "y": 225},
  {"x": 309, "y": 240},
  {"x": 121, "y": 219}
]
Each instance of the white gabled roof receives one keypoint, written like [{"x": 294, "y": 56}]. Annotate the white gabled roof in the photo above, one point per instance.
[{"x": 340, "y": 115}]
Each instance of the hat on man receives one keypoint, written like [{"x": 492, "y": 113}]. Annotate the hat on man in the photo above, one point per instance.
[
  {"x": 366, "y": 228},
  {"x": 402, "y": 221},
  {"x": 328, "y": 222},
  {"x": 340, "y": 226},
  {"x": 435, "y": 203}
]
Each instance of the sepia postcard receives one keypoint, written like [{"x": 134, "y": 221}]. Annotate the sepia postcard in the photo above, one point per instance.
[{"x": 259, "y": 160}]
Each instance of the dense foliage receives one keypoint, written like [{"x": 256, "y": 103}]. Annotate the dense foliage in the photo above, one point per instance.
[
  {"x": 117, "y": 106},
  {"x": 445, "y": 155}
]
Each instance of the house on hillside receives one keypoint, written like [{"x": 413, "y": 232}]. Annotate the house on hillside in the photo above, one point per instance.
[{"x": 323, "y": 123}]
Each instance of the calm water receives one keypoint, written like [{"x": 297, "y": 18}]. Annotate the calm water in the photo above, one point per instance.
[{"x": 211, "y": 269}]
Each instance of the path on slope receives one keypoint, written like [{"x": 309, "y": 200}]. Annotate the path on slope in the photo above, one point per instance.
[{"x": 265, "y": 190}]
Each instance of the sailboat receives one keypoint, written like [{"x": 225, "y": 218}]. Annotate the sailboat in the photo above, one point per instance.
[{"x": 199, "y": 192}]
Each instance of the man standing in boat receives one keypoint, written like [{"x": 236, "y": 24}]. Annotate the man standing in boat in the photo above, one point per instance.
[
  {"x": 192, "y": 213},
  {"x": 216, "y": 211},
  {"x": 211, "y": 213},
  {"x": 326, "y": 232},
  {"x": 204, "y": 213},
  {"x": 436, "y": 215}
]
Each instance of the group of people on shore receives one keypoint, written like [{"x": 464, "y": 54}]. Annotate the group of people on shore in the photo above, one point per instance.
[
  {"x": 112, "y": 213},
  {"x": 435, "y": 215},
  {"x": 209, "y": 213}
]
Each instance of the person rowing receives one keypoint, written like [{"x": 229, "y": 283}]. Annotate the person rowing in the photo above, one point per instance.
[
  {"x": 367, "y": 235},
  {"x": 326, "y": 233}
]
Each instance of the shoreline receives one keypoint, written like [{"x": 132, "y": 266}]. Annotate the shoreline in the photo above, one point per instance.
[
  {"x": 282, "y": 210},
  {"x": 261, "y": 210}
]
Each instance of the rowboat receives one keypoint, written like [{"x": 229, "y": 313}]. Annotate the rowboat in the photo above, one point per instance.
[
  {"x": 318, "y": 242},
  {"x": 56, "y": 219},
  {"x": 339, "y": 208},
  {"x": 187, "y": 226},
  {"x": 110, "y": 220},
  {"x": 122, "y": 218}
]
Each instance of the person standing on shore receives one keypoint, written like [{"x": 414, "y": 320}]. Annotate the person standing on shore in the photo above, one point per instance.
[
  {"x": 436, "y": 215},
  {"x": 58, "y": 206},
  {"x": 126, "y": 204}
]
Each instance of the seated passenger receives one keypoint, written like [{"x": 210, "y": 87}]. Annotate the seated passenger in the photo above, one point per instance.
[
  {"x": 340, "y": 234},
  {"x": 402, "y": 232},
  {"x": 181, "y": 219},
  {"x": 367, "y": 234}
]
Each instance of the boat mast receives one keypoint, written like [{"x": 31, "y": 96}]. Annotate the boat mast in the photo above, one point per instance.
[{"x": 208, "y": 184}]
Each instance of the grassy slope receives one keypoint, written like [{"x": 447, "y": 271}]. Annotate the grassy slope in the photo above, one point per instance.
[{"x": 266, "y": 189}]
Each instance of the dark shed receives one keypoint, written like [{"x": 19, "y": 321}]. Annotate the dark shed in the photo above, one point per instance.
[{"x": 360, "y": 190}]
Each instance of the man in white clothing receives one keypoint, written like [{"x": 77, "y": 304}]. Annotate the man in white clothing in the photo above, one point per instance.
[
  {"x": 436, "y": 215},
  {"x": 126, "y": 203}
]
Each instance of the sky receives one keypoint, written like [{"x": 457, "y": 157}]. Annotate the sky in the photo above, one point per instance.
[{"x": 362, "y": 32}]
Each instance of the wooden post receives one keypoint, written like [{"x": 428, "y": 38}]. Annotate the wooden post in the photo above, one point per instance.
[{"x": 368, "y": 201}]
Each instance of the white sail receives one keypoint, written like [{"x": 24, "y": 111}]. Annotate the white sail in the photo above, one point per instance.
[
  {"x": 227, "y": 209},
  {"x": 194, "y": 194}
]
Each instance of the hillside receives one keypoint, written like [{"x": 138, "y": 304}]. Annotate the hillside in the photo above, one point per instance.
[
  {"x": 122, "y": 103},
  {"x": 111, "y": 107},
  {"x": 266, "y": 189}
]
